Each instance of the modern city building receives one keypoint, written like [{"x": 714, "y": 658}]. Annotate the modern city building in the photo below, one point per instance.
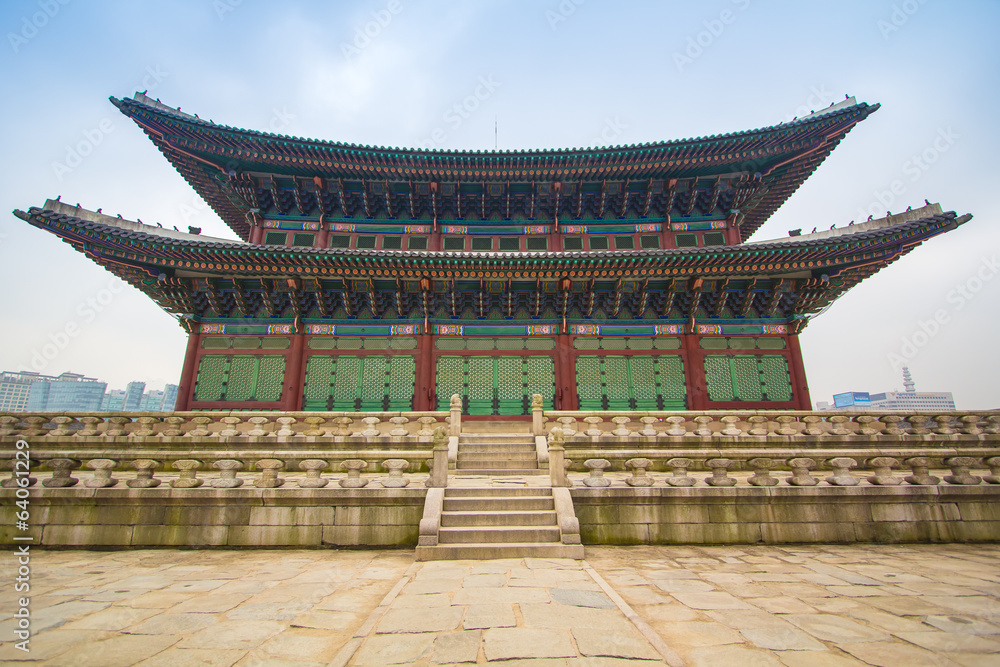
[
  {"x": 373, "y": 278},
  {"x": 67, "y": 392},
  {"x": 15, "y": 388},
  {"x": 133, "y": 396},
  {"x": 114, "y": 399},
  {"x": 909, "y": 400}
]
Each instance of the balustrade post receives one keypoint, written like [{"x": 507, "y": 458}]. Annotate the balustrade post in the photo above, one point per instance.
[
  {"x": 313, "y": 429},
  {"x": 703, "y": 429},
  {"x": 8, "y": 424},
  {"x": 842, "y": 471},
  {"x": 145, "y": 426},
  {"x": 960, "y": 470},
  {"x": 557, "y": 461},
  {"x": 354, "y": 480},
  {"x": 943, "y": 425},
  {"x": 36, "y": 425},
  {"x": 456, "y": 415},
  {"x": 399, "y": 427},
  {"x": 269, "y": 474},
  {"x": 230, "y": 430},
  {"x": 882, "y": 468},
  {"x": 173, "y": 428},
  {"x": 15, "y": 480},
  {"x": 638, "y": 466},
  {"x": 679, "y": 472},
  {"x": 426, "y": 432},
  {"x": 758, "y": 425},
  {"x": 869, "y": 424},
  {"x": 102, "y": 473},
  {"x": 258, "y": 429},
  {"x": 227, "y": 478},
  {"x": 371, "y": 432},
  {"x": 993, "y": 463},
  {"x": 918, "y": 424},
  {"x": 314, "y": 474},
  {"x": 144, "y": 469},
  {"x": 90, "y": 426},
  {"x": 730, "y": 426},
  {"x": 838, "y": 422},
  {"x": 568, "y": 427},
  {"x": 396, "y": 467},
  {"x": 970, "y": 424},
  {"x": 813, "y": 425},
  {"x": 537, "y": 414},
  {"x": 993, "y": 424},
  {"x": 188, "y": 478},
  {"x": 594, "y": 432},
  {"x": 676, "y": 425},
  {"x": 285, "y": 429},
  {"x": 596, "y": 467},
  {"x": 720, "y": 472},
  {"x": 800, "y": 472},
  {"x": 761, "y": 467},
  {"x": 439, "y": 463},
  {"x": 116, "y": 426},
  {"x": 63, "y": 424},
  {"x": 343, "y": 428},
  {"x": 892, "y": 424},
  {"x": 622, "y": 430},
  {"x": 920, "y": 465},
  {"x": 62, "y": 470},
  {"x": 648, "y": 429},
  {"x": 200, "y": 429},
  {"x": 787, "y": 425}
]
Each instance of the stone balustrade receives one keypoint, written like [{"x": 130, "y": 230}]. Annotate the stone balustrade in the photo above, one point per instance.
[
  {"x": 793, "y": 425},
  {"x": 757, "y": 471},
  {"x": 206, "y": 473},
  {"x": 228, "y": 425}
]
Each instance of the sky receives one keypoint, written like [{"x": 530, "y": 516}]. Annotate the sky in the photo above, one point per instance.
[{"x": 513, "y": 74}]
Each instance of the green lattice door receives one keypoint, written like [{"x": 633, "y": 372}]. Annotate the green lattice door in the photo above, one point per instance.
[
  {"x": 638, "y": 382},
  {"x": 747, "y": 377},
  {"x": 495, "y": 385},
  {"x": 239, "y": 378},
  {"x": 371, "y": 382}
]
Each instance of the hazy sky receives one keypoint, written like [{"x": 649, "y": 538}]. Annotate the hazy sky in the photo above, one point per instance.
[{"x": 552, "y": 74}]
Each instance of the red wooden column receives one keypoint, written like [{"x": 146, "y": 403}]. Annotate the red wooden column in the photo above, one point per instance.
[
  {"x": 291, "y": 392},
  {"x": 797, "y": 371},
  {"x": 566, "y": 398},
  {"x": 694, "y": 373},
  {"x": 423, "y": 389},
  {"x": 185, "y": 387}
]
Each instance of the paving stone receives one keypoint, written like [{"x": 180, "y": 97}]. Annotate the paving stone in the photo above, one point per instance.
[
  {"x": 947, "y": 642},
  {"x": 119, "y": 651},
  {"x": 553, "y": 616},
  {"x": 615, "y": 644},
  {"x": 268, "y": 611},
  {"x": 193, "y": 657},
  {"x": 782, "y": 605},
  {"x": 683, "y": 586},
  {"x": 962, "y": 625},
  {"x": 896, "y": 654},
  {"x": 210, "y": 604},
  {"x": 580, "y": 598},
  {"x": 669, "y": 612},
  {"x": 432, "y": 586},
  {"x": 157, "y": 600},
  {"x": 421, "y": 601},
  {"x": 974, "y": 605},
  {"x": 457, "y": 647},
  {"x": 484, "y": 581},
  {"x": 196, "y": 586},
  {"x": 835, "y": 628},
  {"x": 381, "y": 650},
  {"x": 436, "y": 619},
  {"x": 767, "y": 631},
  {"x": 480, "y": 616},
  {"x": 112, "y": 618},
  {"x": 713, "y": 656},
  {"x": 513, "y": 643},
  {"x": 173, "y": 624},
  {"x": 46, "y": 645},
  {"x": 819, "y": 659},
  {"x": 238, "y": 635},
  {"x": 304, "y": 645},
  {"x": 469, "y": 596},
  {"x": 327, "y": 620},
  {"x": 886, "y": 621},
  {"x": 711, "y": 600},
  {"x": 696, "y": 633}
]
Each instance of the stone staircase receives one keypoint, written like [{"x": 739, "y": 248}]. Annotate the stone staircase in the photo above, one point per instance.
[
  {"x": 496, "y": 454},
  {"x": 504, "y": 522}
]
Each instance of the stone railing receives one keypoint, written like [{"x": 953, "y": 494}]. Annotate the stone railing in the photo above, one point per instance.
[
  {"x": 229, "y": 425},
  {"x": 750, "y": 425}
]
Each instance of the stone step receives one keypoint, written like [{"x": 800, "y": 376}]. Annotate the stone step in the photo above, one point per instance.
[
  {"x": 496, "y": 492},
  {"x": 499, "y": 472},
  {"x": 498, "y": 534},
  {"x": 496, "y": 438},
  {"x": 492, "y": 456},
  {"x": 491, "y": 551},
  {"x": 511, "y": 504},
  {"x": 496, "y": 449},
  {"x": 506, "y": 464},
  {"x": 499, "y": 517}
]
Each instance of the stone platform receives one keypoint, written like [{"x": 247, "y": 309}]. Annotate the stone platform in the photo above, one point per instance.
[{"x": 649, "y": 605}]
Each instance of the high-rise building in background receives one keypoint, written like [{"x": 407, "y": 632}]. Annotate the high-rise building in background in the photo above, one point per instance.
[
  {"x": 23, "y": 391},
  {"x": 69, "y": 392},
  {"x": 910, "y": 399},
  {"x": 14, "y": 390}
]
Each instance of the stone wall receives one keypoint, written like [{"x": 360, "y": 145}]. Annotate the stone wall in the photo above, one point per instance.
[
  {"x": 208, "y": 517},
  {"x": 778, "y": 514}
]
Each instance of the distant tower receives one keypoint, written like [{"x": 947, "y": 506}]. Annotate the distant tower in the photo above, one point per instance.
[{"x": 908, "y": 381}]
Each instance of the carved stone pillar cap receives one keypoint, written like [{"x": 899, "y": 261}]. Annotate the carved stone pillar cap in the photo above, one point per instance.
[
  {"x": 270, "y": 464},
  {"x": 638, "y": 463},
  {"x": 395, "y": 464},
  {"x": 313, "y": 464},
  {"x": 228, "y": 464},
  {"x": 353, "y": 464},
  {"x": 597, "y": 464},
  {"x": 680, "y": 463},
  {"x": 720, "y": 463}
]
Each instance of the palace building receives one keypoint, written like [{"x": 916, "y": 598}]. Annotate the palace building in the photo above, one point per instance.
[{"x": 373, "y": 278}]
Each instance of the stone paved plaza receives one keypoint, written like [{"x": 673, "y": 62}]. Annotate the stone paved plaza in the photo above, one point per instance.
[{"x": 733, "y": 606}]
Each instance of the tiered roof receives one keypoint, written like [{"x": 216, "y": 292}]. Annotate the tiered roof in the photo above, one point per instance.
[{"x": 243, "y": 173}]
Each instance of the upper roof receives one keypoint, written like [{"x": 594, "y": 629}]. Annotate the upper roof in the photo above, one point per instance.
[{"x": 238, "y": 172}]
